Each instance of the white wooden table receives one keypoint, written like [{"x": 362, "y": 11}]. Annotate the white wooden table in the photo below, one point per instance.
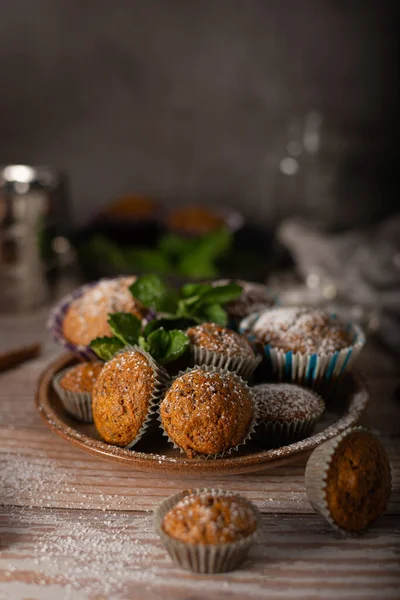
[{"x": 75, "y": 527}]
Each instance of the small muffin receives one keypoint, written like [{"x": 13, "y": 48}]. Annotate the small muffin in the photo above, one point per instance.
[
  {"x": 207, "y": 531},
  {"x": 131, "y": 207},
  {"x": 348, "y": 480},
  {"x": 86, "y": 316},
  {"x": 129, "y": 386},
  {"x": 74, "y": 387},
  {"x": 304, "y": 345},
  {"x": 287, "y": 413},
  {"x": 254, "y": 298},
  {"x": 208, "y": 412},
  {"x": 305, "y": 330},
  {"x": 82, "y": 377},
  {"x": 222, "y": 347}
]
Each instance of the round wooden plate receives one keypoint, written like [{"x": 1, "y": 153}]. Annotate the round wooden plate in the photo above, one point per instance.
[{"x": 154, "y": 454}]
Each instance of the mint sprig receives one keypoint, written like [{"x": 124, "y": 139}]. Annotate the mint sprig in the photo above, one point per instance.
[
  {"x": 106, "y": 347},
  {"x": 153, "y": 293}
]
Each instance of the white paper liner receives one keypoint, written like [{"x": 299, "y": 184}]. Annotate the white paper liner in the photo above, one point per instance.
[
  {"x": 276, "y": 434},
  {"x": 162, "y": 381},
  {"x": 77, "y": 404},
  {"x": 242, "y": 365},
  {"x": 308, "y": 369},
  {"x": 253, "y": 422},
  {"x": 205, "y": 558},
  {"x": 316, "y": 476}
]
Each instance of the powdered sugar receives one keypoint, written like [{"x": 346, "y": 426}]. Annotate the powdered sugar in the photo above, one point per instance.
[
  {"x": 285, "y": 402},
  {"x": 220, "y": 339}
]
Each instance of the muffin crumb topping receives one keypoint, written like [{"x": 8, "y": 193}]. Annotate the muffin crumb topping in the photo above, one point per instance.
[{"x": 220, "y": 339}]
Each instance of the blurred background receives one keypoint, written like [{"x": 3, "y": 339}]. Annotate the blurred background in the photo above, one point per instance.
[{"x": 257, "y": 138}]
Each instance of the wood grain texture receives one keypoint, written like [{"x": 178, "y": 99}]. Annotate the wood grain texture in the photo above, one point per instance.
[
  {"x": 73, "y": 526},
  {"x": 85, "y": 554}
]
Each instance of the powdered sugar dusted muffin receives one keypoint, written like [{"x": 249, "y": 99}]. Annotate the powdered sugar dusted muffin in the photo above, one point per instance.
[
  {"x": 125, "y": 393},
  {"x": 304, "y": 345},
  {"x": 86, "y": 316},
  {"x": 74, "y": 386},
  {"x": 207, "y": 530},
  {"x": 222, "y": 347},
  {"x": 286, "y": 412},
  {"x": 304, "y": 330},
  {"x": 255, "y": 297},
  {"x": 208, "y": 412}
]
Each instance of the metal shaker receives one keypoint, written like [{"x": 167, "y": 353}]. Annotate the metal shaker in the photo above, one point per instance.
[{"x": 28, "y": 225}]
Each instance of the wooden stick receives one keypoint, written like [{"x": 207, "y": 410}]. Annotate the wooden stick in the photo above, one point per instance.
[{"x": 11, "y": 359}]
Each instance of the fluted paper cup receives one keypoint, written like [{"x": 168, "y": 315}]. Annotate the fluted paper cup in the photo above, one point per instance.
[
  {"x": 242, "y": 365},
  {"x": 77, "y": 404}
]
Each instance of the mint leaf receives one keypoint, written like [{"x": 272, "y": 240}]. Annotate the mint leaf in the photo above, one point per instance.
[
  {"x": 168, "y": 322},
  {"x": 153, "y": 293},
  {"x": 125, "y": 326},
  {"x": 221, "y": 294},
  {"x": 198, "y": 261},
  {"x": 166, "y": 346},
  {"x": 195, "y": 289},
  {"x": 214, "y": 313},
  {"x": 106, "y": 347}
]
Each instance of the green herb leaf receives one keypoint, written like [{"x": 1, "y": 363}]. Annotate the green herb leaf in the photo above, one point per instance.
[
  {"x": 166, "y": 346},
  {"x": 125, "y": 326},
  {"x": 168, "y": 322},
  {"x": 195, "y": 289},
  {"x": 198, "y": 261},
  {"x": 153, "y": 293},
  {"x": 106, "y": 347},
  {"x": 214, "y": 313}
]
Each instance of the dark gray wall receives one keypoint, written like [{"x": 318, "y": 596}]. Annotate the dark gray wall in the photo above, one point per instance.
[{"x": 194, "y": 99}]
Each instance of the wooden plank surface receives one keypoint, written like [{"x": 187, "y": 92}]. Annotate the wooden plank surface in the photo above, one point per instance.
[{"x": 75, "y": 526}]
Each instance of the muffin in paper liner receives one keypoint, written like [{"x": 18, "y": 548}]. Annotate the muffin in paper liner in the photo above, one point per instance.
[
  {"x": 274, "y": 434},
  {"x": 162, "y": 381},
  {"x": 207, "y": 558},
  {"x": 303, "y": 368},
  {"x": 253, "y": 422},
  {"x": 57, "y": 316},
  {"x": 77, "y": 404},
  {"x": 316, "y": 478},
  {"x": 242, "y": 365}
]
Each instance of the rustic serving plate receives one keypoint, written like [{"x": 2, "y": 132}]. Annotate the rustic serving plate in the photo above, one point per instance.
[{"x": 153, "y": 453}]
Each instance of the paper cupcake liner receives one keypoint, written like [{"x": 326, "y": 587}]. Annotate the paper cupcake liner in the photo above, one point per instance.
[
  {"x": 162, "y": 381},
  {"x": 274, "y": 434},
  {"x": 208, "y": 558},
  {"x": 309, "y": 369},
  {"x": 77, "y": 404},
  {"x": 253, "y": 422},
  {"x": 57, "y": 316},
  {"x": 243, "y": 366},
  {"x": 316, "y": 475}
]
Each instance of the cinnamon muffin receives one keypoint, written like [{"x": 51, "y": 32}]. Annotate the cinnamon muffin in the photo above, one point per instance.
[
  {"x": 124, "y": 395},
  {"x": 209, "y": 518},
  {"x": 208, "y": 412},
  {"x": 286, "y": 413},
  {"x": 82, "y": 377},
  {"x": 86, "y": 316},
  {"x": 304, "y": 330},
  {"x": 348, "y": 480},
  {"x": 222, "y": 347},
  {"x": 207, "y": 530}
]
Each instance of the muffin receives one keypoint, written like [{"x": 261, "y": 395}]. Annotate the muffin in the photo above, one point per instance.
[
  {"x": 193, "y": 220},
  {"x": 207, "y": 531},
  {"x": 131, "y": 207},
  {"x": 255, "y": 297},
  {"x": 125, "y": 395},
  {"x": 348, "y": 480},
  {"x": 219, "y": 346},
  {"x": 286, "y": 413},
  {"x": 86, "y": 316},
  {"x": 304, "y": 344},
  {"x": 208, "y": 412},
  {"x": 74, "y": 386}
]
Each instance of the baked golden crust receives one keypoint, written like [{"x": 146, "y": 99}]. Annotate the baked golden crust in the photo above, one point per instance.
[
  {"x": 220, "y": 339},
  {"x": 86, "y": 317},
  {"x": 205, "y": 412},
  {"x": 122, "y": 396},
  {"x": 82, "y": 377}
]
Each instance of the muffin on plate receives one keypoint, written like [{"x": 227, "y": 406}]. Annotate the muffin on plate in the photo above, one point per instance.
[
  {"x": 255, "y": 297},
  {"x": 125, "y": 396},
  {"x": 208, "y": 412},
  {"x": 304, "y": 344},
  {"x": 348, "y": 480},
  {"x": 207, "y": 530},
  {"x": 219, "y": 346},
  {"x": 287, "y": 413},
  {"x": 86, "y": 316},
  {"x": 74, "y": 386}
]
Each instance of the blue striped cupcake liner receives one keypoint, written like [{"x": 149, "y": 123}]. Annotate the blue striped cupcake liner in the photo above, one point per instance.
[{"x": 308, "y": 369}]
